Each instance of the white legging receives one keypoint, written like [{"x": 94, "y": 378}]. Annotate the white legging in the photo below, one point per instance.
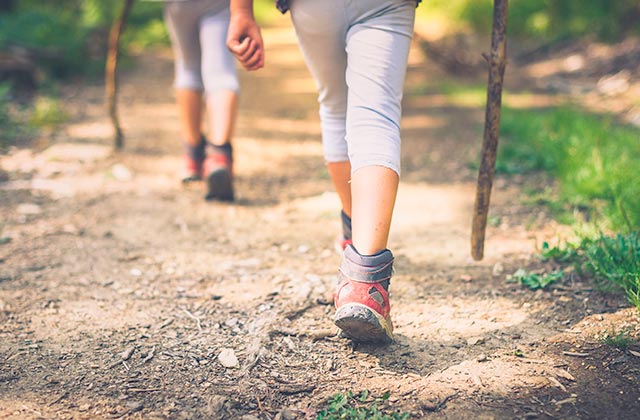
[
  {"x": 357, "y": 51},
  {"x": 198, "y": 31}
]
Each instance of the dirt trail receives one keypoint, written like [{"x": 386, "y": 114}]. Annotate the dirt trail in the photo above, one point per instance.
[{"x": 119, "y": 288}]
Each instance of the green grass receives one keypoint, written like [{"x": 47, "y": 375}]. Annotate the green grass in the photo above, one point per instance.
[
  {"x": 361, "y": 406},
  {"x": 594, "y": 159},
  {"x": 613, "y": 262},
  {"x": 620, "y": 340}
]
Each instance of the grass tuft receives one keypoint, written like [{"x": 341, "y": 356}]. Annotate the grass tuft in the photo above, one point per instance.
[
  {"x": 620, "y": 340},
  {"x": 612, "y": 261},
  {"x": 360, "y": 406}
]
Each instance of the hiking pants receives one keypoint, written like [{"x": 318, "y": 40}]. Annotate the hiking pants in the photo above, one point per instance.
[
  {"x": 198, "y": 31},
  {"x": 357, "y": 52}
]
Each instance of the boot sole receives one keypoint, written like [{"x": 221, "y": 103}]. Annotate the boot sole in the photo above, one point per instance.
[
  {"x": 219, "y": 186},
  {"x": 361, "y": 323}
]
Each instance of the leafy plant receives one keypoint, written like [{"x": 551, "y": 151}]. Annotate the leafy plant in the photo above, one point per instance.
[
  {"x": 535, "y": 281},
  {"x": 563, "y": 253},
  {"x": 351, "y": 406}
]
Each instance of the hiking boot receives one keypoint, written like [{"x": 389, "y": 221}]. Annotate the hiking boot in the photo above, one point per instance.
[
  {"x": 218, "y": 171},
  {"x": 344, "y": 239},
  {"x": 194, "y": 157},
  {"x": 362, "y": 297},
  {"x": 341, "y": 243}
]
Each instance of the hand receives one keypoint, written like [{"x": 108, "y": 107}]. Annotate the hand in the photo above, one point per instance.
[{"x": 245, "y": 42}]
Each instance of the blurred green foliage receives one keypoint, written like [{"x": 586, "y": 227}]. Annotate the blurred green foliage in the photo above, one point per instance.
[
  {"x": 69, "y": 37},
  {"x": 547, "y": 20},
  {"x": 14, "y": 119},
  {"x": 594, "y": 159},
  {"x": 8, "y": 125}
]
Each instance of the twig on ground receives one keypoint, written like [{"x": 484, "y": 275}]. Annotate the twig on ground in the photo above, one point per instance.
[
  {"x": 297, "y": 313},
  {"x": 195, "y": 318},
  {"x": 575, "y": 354},
  {"x": 59, "y": 398},
  {"x": 556, "y": 383},
  {"x": 322, "y": 334},
  {"x": 292, "y": 389},
  {"x": 150, "y": 356},
  {"x": 144, "y": 390},
  {"x": 164, "y": 324},
  {"x": 260, "y": 406},
  {"x": 126, "y": 355}
]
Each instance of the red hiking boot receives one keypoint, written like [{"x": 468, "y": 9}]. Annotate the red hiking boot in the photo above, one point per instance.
[
  {"x": 362, "y": 297},
  {"x": 218, "y": 171},
  {"x": 194, "y": 161}
]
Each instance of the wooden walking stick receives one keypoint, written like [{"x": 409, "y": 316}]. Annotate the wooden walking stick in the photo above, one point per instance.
[
  {"x": 497, "y": 63},
  {"x": 111, "y": 82}
]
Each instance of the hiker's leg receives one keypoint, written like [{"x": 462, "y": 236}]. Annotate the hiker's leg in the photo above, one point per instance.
[
  {"x": 219, "y": 77},
  {"x": 321, "y": 31},
  {"x": 377, "y": 48},
  {"x": 182, "y": 24}
]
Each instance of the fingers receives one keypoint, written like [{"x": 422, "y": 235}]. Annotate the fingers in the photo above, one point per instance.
[
  {"x": 249, "y": 52},
  {"x": 253, "y": 58},
  {"x": 245, "y": 42},
  {"x": 238, "y": 48}
]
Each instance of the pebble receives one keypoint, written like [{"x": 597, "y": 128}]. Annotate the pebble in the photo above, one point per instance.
[
  {"x": 285, "y": 414},
  {"x": 228, "y": 359},
  {"x": 475, "y": 341},
  {"x": 134, "y": 406},
  {"x": 498, "y": 269},
  {"x": 121, "y": 172},
  {"x": 231, "y": 322}
]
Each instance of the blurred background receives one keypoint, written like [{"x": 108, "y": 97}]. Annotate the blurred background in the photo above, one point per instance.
[{"x": 571, "y": 105}]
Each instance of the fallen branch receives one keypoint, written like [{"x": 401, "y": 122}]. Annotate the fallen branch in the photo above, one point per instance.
[{"x": 575, "y": 354}]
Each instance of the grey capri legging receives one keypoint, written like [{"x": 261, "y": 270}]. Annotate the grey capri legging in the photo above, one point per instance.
[
  {"x": 357, "y": 51},
  {"x": 198, "y": 31}
]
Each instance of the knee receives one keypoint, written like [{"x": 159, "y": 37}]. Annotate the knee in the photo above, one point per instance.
[{"x": 188, "y": 79}]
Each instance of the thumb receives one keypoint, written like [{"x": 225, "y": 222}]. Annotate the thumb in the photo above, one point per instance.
[{"x": 238, "y": 47}]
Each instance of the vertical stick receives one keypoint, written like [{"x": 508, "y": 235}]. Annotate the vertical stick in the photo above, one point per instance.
[
  {"x": 497, "y": 63},
  {"x": 111, "y": 83}
]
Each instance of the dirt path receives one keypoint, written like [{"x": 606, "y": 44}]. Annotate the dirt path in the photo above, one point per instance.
[{"x": 119, "y": 288}]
